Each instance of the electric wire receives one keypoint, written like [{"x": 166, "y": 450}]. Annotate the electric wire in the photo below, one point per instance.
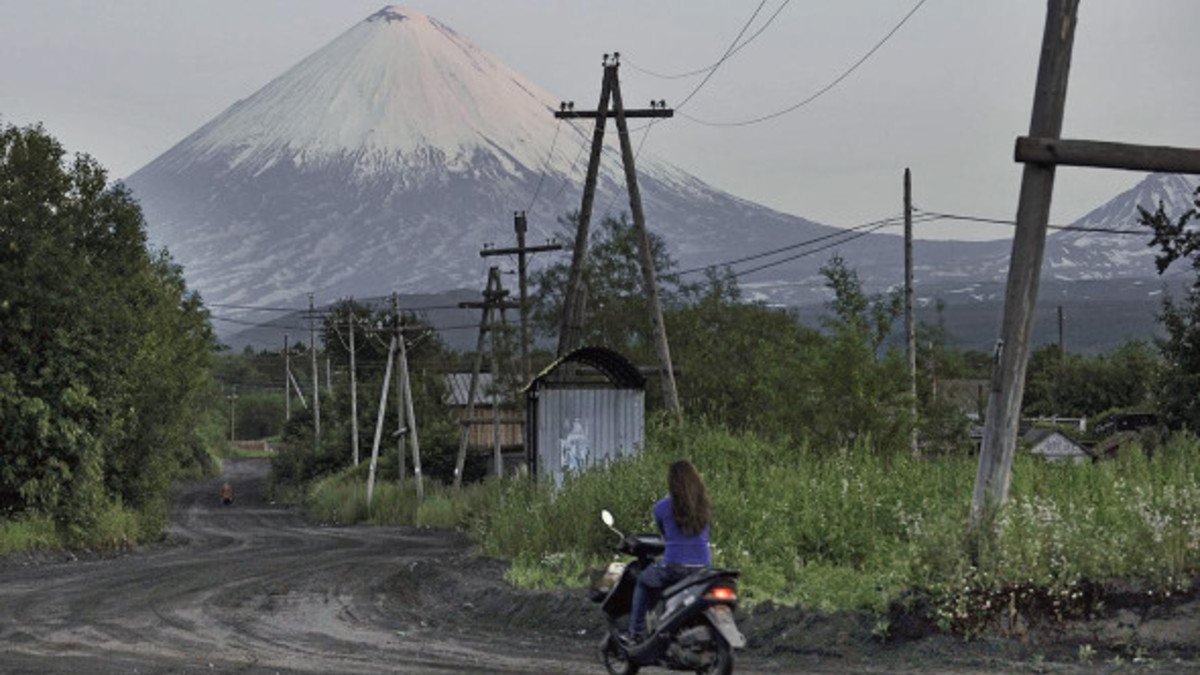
[
  {"x": 820, "y": 92},
  {"x": 724, "y": 57},
  {"x": 936, "y": 215},
  {"x": 708, "y": 68},
  {"x": 545, "y": 167},
  {"x": 805, "y": 254},
  {"x": 807, "y": 242}
]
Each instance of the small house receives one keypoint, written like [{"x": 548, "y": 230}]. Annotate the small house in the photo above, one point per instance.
[{"x": 1055, "y": 446}]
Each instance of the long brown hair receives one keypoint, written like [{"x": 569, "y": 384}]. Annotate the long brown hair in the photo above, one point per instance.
[{"x": 689, "y": 499}]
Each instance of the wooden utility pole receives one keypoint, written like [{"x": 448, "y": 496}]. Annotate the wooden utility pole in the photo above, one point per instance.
[
  {"x": 232, "y": 414},
  {"x": 287, "y": 379},
  {"x": 572, "y": 316},
  {"x": 611, "y": 88},
  {"x": 497, "y": 455},
  {"x": 1062, "y": 347},
  {"x": 493, "y": 300},
  {"x": 383, "y": 394},
  {"x": 411, "y": 421},
  {"x": 522, "y": 251},
  {"x": 353, "y": 391},
  {"x": 316, "y": 378},
  {"x": 910, "y": 326},
  {"x": 399, "y": 383},
  {"x": 1024, "y": 271},
  {"x": 1041, "y": 152}
]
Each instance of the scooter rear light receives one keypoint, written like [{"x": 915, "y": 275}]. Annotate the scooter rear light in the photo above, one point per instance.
[{"x": 721, "y": 594}]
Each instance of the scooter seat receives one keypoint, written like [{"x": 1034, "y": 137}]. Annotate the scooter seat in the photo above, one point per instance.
[{"x": 699, "y": 576}]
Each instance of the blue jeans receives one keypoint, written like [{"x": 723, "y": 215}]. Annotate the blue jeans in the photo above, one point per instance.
[{"x": 649, "y": 585}]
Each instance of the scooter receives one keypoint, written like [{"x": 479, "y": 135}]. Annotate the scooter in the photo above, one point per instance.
[{"x": 691, "y": 627}]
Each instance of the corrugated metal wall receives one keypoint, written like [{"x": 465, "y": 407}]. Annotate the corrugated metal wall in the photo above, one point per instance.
[{"x": 578, "y": 428}]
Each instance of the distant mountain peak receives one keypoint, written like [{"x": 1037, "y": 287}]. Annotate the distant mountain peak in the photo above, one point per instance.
[
  {"x": 391, "y": 13},
  {"x": 397, "y": 90}
]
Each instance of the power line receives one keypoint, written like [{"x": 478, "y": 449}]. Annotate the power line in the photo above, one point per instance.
[
  {"x": 820, "y": 92},
  {"x": 546, "y": 166},
  {"x": 1000, "y": 221},
  {"x": 807, "y": 242},
  {"x": 698, "y": 71},
  {"x": 726, "y": 55},
  {"x": 805, "y": 254}
]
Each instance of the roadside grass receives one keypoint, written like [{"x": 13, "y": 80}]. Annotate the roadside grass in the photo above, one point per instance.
[
  {"x": 28, "y": 533},
  {"x": 854, "y": 530},
  {"x": 342, "y": 499},
  {"x": 113, "y": 527},
  {"x": 834, "y": 530}
]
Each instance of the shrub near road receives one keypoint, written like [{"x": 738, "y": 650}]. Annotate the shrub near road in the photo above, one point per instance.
[{"x": 856, "y": 530}]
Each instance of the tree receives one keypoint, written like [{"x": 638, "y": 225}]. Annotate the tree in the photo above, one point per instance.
[
  {"x": 617, "y": 312},
  {"x": 104, "y": 352},
  {"x": 1180, "y": 378}
]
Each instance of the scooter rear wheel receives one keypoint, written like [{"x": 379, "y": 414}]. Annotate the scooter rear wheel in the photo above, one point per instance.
[
  {"x": 723, "y": 663},
  {"x": 614, "y": 658}
]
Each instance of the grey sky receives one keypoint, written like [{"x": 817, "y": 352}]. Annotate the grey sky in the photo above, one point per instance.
[{"x": 126, "y": 79}]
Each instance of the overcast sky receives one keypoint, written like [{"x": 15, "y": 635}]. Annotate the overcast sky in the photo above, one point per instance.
[{"x": 126, "y": 79}]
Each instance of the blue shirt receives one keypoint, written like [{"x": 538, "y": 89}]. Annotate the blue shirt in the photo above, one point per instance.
[{"x": 682, "y": 549}]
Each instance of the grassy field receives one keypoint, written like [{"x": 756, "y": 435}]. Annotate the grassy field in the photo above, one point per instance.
[{"x": 840, "y": 530}]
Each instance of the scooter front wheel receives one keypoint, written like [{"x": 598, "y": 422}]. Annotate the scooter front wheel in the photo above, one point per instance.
[{"x": 615, "y": 659}]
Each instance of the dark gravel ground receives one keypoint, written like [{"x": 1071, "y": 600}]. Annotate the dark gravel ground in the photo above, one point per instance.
[{"x": 253, "y": 588}]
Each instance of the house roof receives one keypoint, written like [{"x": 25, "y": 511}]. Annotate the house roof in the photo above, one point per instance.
[
  {"x": 458, "y": 386},
  {"x": 620, "y": 373},
  {"x": 1039, "y": 435}
]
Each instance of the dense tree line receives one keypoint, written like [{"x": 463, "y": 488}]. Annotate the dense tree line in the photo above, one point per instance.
[
  {"x": 744, "y": 364},
  {"x": 104, "y": 353}
]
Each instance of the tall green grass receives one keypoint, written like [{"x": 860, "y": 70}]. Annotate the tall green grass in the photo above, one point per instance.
[
  {"x": 853, "y": 529},
  {"x": 342, "y": 498},
  {"x": 848, "y": 529}
]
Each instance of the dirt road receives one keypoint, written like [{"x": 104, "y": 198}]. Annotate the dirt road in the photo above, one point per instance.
[{"x": 253, "y": 588}]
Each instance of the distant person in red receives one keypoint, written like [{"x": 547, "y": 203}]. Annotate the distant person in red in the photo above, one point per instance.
[{"x": 227, "y": 494}]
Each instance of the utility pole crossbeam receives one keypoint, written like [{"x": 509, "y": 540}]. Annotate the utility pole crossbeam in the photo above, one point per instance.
[
  {"x": 1104, "y": 155},
  {"x": 629, "y": 114},
  {"x": 1024, "y": 272},
  {"x": 569, "y": 336}
]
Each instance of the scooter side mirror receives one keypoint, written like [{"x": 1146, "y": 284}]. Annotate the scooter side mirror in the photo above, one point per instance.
[{"x": 608, "y": 519}]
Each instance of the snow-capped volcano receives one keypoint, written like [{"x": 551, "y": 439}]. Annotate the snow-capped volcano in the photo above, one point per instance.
[
  {"x": 386, "y": 159},
  {"x": 382, "y": 94}
]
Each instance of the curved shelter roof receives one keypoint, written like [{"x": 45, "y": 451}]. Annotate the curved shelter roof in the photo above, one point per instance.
[{"x": 619, "y": 372}]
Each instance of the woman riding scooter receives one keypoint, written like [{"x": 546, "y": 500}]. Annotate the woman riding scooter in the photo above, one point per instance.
[{"x": 683, "y": 519}]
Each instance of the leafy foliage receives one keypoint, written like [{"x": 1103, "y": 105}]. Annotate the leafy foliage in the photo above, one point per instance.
[
  {"x": 744, "y": 364},
  {"x": 1178, "y": 239},
  {"x": 104, "y": 358},
  {"x": 1085, "y": 386},
  {"x": 302, "y": 460}
]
